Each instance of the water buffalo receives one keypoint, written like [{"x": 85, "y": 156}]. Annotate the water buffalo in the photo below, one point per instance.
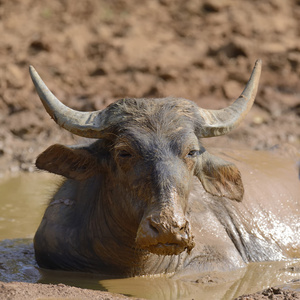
[{"x": 146, "y": 197}]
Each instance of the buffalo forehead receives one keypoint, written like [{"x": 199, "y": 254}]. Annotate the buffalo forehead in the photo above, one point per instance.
[
  {"x": 152, "y": 113},
  {"x": 145, "y": 140}
]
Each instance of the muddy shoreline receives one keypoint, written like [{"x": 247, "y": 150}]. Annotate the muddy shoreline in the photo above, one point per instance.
[
  {"x": 21, "y": 278},
  {"x": 29, "y": 291}
]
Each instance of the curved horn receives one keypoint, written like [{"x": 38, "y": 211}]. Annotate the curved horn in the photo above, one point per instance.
[
  {"x": 219, "y": 122},
  {"x": 86, "y": 124}
]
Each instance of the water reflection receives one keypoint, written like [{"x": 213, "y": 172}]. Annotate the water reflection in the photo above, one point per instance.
[
  {"x": 23, "y": 201},
  {"x": 255, "y": 277},
  {"x": 17, "y": 263}
]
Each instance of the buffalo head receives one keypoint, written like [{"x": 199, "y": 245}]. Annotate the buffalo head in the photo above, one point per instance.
[{"x": 147, "y": 153}]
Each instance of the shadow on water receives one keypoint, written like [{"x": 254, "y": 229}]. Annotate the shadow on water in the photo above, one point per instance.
[{"x": 23, "y": 202}]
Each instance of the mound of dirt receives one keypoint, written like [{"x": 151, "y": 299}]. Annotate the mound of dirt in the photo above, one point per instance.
[
  {"x": 272, "y": 293},
  {"x": 32, "y": 291},
  {"x": 92, "y": 52}
]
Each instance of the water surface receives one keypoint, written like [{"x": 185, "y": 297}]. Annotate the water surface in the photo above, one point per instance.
[{"x": 23, "y": 200}]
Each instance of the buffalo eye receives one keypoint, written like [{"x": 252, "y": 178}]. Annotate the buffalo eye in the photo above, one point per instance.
[
  {"x": 193, "y": 153},
  {"x": 124, "y": 154}
]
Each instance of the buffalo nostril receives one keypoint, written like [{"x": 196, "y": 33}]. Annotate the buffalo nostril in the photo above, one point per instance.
[
  {"x": 183, "y": 227},
  {"x": 153, "y": 227}
]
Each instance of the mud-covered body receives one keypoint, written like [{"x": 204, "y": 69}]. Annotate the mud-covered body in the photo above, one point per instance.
[
  {"x": 147, "y": 198},
  {"x": 91, "y": 236}
]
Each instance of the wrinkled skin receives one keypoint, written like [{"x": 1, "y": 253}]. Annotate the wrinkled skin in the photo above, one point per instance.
[{"x": 148, "y": 198}]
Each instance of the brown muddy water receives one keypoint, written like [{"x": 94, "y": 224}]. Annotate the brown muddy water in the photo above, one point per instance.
[{"x": 23, "y": 200}]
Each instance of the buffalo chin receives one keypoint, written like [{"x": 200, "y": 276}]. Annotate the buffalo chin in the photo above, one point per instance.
[{"x": 168, "y": 248}]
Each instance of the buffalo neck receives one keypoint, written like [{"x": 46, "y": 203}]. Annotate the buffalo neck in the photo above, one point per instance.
[{"x": 109, "y": 230}]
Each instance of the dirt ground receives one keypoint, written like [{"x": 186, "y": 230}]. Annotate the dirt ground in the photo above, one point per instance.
[
  {"x": 92, "y": 52},
  {"x": 272, "y": 293},
  {"x": 32, "y": 291}
]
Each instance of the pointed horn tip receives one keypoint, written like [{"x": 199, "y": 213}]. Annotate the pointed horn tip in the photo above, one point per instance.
[
  {"x": 31, "y": 68},
  {"x": 33, "y": 73},
  {"x": 258, "y": 63}
]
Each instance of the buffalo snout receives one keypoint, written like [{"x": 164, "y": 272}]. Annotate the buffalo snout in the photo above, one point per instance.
[{"x": 165, "y": 233}]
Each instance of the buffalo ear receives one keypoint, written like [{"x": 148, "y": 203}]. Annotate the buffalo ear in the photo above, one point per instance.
[
  {"x": 219, "y": 177},
  {"x": 74, "y": 163}
]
